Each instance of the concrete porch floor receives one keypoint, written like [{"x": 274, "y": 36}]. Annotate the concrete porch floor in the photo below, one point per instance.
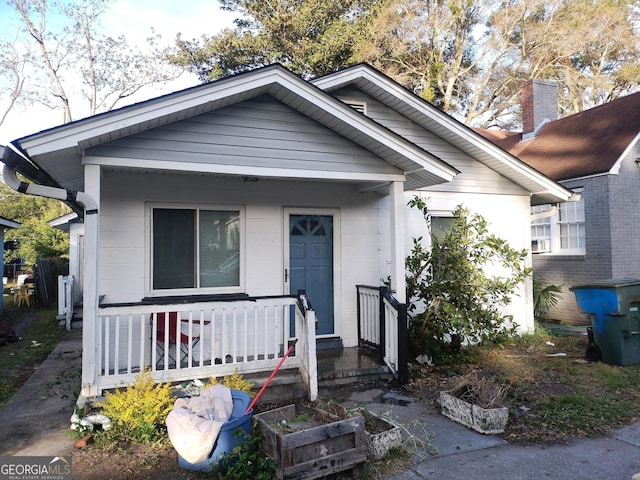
[{"x": 349, "y": 365}]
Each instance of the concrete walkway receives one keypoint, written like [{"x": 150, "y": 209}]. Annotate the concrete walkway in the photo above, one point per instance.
[
  {"x": 455, "y": 451},
  {"x": 36, "y": 422}
]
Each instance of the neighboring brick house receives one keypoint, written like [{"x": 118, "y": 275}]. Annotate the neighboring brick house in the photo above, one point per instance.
[{"x": 595, "y": 153}]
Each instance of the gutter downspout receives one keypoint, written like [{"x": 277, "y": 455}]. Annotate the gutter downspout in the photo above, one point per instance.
[
  {"x": 89, "y": 388},
  {"x": 11, "y": 179},
  {"x": 18, "y": 160}
]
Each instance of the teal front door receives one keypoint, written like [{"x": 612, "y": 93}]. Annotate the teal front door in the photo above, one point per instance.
[{"x": 311, "y": 264}]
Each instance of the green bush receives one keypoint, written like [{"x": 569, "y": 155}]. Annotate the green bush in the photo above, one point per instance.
[
  {"x": 450, "y": 296},
  {"x": 245, "y": 460},
  {"x": 138, "y": 413},
  {"x": 235, "y": 382}
]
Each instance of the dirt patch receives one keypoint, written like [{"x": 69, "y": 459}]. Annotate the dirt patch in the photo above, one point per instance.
[{"x": 143, "y": 462}]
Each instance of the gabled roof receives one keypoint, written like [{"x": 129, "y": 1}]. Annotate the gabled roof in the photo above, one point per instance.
[
  {"x": 588, "y": 143},
  {"x": 58, "y": 151},
  {"x": 395, "y": 96},
  {"x": 64, "y": 222}
]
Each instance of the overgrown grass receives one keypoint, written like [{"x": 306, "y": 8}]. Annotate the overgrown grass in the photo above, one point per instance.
[
  {"x": 555, "y": 397},
  {"x": 18, "y": 360},
  {"x": 581, "y": 414},
  {"x": 554, "y": 392}
]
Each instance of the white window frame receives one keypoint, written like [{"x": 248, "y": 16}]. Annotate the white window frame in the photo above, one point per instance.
[
  {"x": 542, "y": 243},
  {"x": 551, "y": 244},
  {"x": 445, "y": 214},
  {"x": 151, "y": 292}
]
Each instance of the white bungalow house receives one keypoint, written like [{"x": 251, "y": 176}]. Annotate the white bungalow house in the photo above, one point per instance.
[{"x": 211, "y": 207}]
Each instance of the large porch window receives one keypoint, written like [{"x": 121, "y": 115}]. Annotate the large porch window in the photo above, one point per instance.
[{"x": 195, "y": 248}]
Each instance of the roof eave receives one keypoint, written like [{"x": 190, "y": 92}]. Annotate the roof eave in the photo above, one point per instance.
[
  {"x": 274, "y": 80},
  {"x": 515, "y": 169}
]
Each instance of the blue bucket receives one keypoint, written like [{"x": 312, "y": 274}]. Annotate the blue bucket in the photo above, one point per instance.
[{"x": 227, "y": 439}]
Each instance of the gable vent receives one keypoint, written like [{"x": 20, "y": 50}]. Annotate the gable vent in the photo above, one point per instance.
[{"x": 358, "y": 106}]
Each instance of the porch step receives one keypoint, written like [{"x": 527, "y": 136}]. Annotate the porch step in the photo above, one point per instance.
[
  {"x": 344, "y": 377},
  {"x": 349, "y": 365},
  {"x": 370, "y": 375},
  {"x": 287, "y": 385},
  {"x": 335, "y": 367}
]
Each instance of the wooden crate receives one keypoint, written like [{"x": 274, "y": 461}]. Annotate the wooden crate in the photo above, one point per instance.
[{"x": 316, "y": 450}]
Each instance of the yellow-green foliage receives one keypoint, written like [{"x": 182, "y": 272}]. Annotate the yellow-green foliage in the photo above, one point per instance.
[
  {"x": 138, "y": 414},
  {"x": 236, "y": 382}
]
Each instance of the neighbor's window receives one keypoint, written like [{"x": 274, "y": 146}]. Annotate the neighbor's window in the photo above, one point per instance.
[
  {"x": 571, "y": 225},
  {"x": 195, "y": 248},
  {"x": 541, "y": 229},
  {"x": 562, "y": 231}
]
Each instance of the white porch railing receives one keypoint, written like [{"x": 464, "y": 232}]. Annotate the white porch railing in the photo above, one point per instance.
[
  {"x": 382, "y": 326},
  {"x": 185, "y": 341},
  {"x": 369, "y": 316},
  {"x": 65, "y": 299}
]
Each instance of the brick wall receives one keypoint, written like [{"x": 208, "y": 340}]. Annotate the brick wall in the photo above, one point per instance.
[
  {"x": 624, "y": 193},
  {"x": 539, "y": 102}
]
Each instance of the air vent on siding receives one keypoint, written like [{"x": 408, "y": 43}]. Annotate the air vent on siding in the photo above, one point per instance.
[{"x": 359, "y": 106}]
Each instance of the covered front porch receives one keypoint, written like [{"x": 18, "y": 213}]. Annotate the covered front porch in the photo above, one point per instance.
[{"x": 202, "y": 338}]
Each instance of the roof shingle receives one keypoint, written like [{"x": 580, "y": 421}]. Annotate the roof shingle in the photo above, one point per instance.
[{"x": 583, "y": 144}]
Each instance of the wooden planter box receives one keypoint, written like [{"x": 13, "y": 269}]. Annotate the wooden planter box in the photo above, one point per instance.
[
  {"x": 483, "y": 420},
  {"x": 319, "y": 446}
]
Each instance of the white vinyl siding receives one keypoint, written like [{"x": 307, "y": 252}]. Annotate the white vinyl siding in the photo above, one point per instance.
[
  {"x": 474, "y": 177},
  {"x": 263, "y": 133}
]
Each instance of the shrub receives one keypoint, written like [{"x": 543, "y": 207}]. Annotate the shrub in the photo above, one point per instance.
[
  {"x": 245, "y": 460},
  {"x": 545, "y": 296},
  {"x": 451, "y": 298},
  {"x": 236, "y": 382},
  {"x": 138, "y": 414}
]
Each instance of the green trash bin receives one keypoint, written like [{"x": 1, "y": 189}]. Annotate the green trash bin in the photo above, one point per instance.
[{"x": 614, "y": 308}]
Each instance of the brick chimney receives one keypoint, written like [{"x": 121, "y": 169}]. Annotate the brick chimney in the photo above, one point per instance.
[{"x": 539, "y": 103}]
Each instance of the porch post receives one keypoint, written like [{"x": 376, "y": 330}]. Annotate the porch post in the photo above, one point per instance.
[
  {"x": 90, "y": 331},
  {"x": 396, "y": 208}
]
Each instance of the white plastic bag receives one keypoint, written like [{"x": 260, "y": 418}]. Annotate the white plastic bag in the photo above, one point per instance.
[{"x": 194, "y": 423}]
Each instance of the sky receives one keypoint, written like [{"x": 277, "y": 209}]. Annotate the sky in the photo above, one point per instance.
[{"x": 133, "y": 19}]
